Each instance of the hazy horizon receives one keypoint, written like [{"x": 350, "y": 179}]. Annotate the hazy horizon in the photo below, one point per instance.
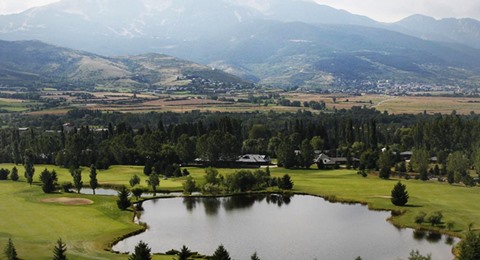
[{"x": 384, "y": 11}]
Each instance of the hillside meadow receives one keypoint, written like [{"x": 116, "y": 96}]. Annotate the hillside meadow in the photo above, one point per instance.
[{"x": 88, "y": 230}]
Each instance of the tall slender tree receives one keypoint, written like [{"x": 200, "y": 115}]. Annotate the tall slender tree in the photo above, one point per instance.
[
  {"x": 77, "y": 179},
  {"x": 93, "y": 178},
  {"x": 29, "y": 168},
  {"x": 184, "y": 253}
]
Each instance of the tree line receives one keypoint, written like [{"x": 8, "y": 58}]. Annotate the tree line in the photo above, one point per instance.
[{"x": 163, "y": 141}]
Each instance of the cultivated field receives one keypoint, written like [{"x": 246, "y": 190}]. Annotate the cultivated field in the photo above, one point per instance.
[{"x": 183, "y": 102}]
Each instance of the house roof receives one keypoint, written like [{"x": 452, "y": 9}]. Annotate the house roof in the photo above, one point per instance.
[{"x": 253, "y": 158}]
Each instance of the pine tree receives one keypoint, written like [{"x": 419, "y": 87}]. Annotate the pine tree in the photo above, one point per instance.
[
  {"x": 14, "y": 175},
  {"x": 141, "y": 252},
  {"x": 285, "y": 183},
  {"x": 59, "y": 252},
  {"x": 399, "y": 194},
  {"x": 184, "y": 253},
  {"x": 123, "y": 201},
  {"x": 255, "y": 257},
  {"x": 221, "y": 254},
  {"x": 10, "y": 251},
  {"x": 93, "y": 178}
]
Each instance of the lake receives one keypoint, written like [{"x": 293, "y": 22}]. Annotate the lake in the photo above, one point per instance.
[{"x": 277, "y": 227}]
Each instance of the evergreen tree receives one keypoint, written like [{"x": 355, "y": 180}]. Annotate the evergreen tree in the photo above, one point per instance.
[
  {"x": 154, "y": 182},
  {"x": 123, "y": 201},
  {"x": 48, "y": 179},
  {"x": 254, "y": 256},
  {"x": 59, "y": 252},
  {"x": 10, "y": 251},
  {"x": 286, "y": 183},
  {"x": 93, "y": 178},
  {"x": 14, "y": 175},
  {"x": 399, "y": 194},
  {"x": 77, "y": 179},
  {"x": 184, "y": 253},
  {"x": 135, "y": 180},
  {"x": 29, "y": 168},
  {"x": 221, "y": 254},
  {"x": 141, "y": 252},
  {"x": 470, "y": 247}
]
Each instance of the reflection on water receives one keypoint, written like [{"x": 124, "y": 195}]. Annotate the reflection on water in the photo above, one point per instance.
[{"x": 280, "y": 227}]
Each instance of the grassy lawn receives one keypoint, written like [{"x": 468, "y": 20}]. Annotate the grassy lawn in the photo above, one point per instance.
[{"x": 34, "y": 225}]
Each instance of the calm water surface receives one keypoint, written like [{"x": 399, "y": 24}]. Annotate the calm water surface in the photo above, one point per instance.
[{"x": 298, "y": 227}]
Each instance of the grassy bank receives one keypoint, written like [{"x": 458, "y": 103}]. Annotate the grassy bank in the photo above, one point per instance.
[{"x": 34, "y": 225}]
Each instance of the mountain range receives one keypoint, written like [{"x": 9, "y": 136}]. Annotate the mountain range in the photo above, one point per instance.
[{"x": 278, "y": 42}]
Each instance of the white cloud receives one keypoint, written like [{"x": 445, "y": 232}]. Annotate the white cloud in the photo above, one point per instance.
[{"x": 16, "y": 6}]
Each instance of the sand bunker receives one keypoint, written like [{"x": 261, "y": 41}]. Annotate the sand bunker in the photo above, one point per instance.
[{"x": 69, "y": 201}]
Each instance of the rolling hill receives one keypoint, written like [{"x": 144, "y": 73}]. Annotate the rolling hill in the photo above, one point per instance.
[{"x": 36, "y": 64}]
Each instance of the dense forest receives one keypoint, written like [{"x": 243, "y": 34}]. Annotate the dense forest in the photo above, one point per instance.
[{"x": 163, "y": 140}]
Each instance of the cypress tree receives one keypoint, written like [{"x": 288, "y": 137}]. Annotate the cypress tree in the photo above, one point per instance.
[{"x": 93, "y": 178}]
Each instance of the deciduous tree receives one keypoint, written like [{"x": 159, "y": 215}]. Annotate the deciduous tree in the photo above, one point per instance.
[
  {"x": 154, "y": 182},
  {"x": 135, "y": 180}
]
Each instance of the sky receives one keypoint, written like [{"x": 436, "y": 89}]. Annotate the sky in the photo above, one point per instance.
[{"x": 380, "y": 10}]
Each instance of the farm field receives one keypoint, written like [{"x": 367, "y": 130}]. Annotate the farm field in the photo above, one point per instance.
[
  {"x": 37, "y": 224},
  {"x": 182, "y": 102}
]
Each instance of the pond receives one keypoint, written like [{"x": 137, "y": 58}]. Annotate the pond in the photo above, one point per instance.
[{"x": 277, "y": 227}]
